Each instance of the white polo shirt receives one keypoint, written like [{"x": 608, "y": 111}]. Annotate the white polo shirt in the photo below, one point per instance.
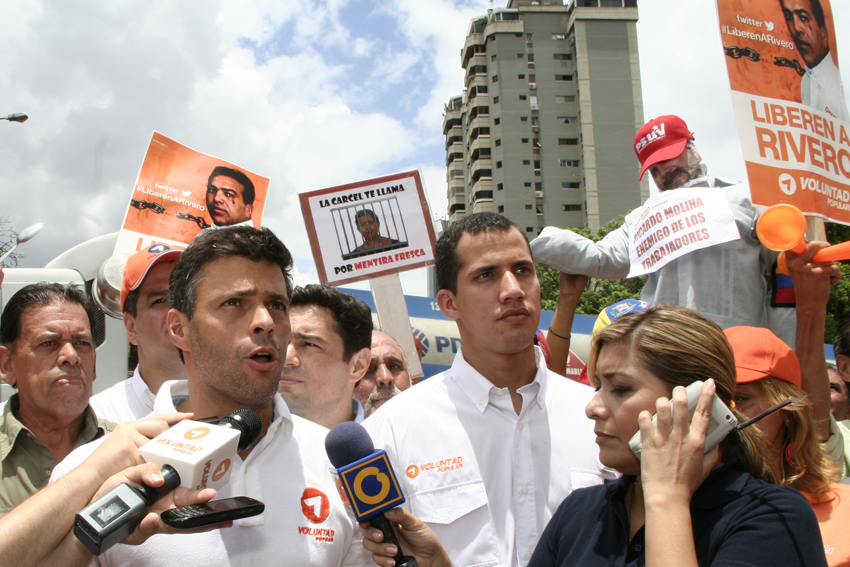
[
  {"x": 304, "y": 523},
  {"x": 485, "y": 479},
  {"x": 128, "y": 400},
  {"x": 821, "y": 89}
]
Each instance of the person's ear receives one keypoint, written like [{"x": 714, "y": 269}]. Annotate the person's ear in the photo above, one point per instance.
[
  {"x": 178, "y": 330},
  {"x": 448, "y": 304},
  {"x": 359, "y": 364}
]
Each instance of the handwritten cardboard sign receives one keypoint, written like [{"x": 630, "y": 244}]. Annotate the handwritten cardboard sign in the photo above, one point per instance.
[{"x": 674, "y": 223}]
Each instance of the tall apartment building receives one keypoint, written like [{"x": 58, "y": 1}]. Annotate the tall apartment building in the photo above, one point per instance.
[{"x": 543, "y": 132}]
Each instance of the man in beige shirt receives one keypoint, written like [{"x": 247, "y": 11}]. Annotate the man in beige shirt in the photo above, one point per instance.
[{"x": 48, "y": 354}]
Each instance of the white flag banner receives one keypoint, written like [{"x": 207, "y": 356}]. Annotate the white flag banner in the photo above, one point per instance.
[{"x": 674, "y": 223}]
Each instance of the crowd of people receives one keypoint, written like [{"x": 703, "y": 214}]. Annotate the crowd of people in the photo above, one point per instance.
[{"x": 502, "y": 459}]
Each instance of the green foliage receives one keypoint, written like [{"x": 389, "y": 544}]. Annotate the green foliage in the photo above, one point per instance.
[
  {"x": 600, "y": 293},
  {"x": 839, "y": 298}
]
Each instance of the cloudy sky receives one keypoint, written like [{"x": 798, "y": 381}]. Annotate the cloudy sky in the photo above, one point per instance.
[{"x": 346, "y": 90}]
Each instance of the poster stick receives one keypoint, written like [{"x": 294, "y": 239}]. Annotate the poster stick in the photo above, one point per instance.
[
  {"x": 815, "y": 229},
  {"x": 395, "y": 321}
]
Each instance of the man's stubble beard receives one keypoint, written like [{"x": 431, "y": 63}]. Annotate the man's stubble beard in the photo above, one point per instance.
[
  {"x": 223, "y": 373},
  {"x": 379, "y": 392}
]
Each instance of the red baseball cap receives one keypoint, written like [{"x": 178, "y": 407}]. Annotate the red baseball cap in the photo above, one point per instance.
[
  {"x": 140, "y": 263},
  {"x": 661, "y": 139},
  {"x": 759, "y": 354}
]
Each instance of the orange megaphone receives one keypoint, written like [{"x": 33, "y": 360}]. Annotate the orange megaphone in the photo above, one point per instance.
[{"x": 783, "y": 227}]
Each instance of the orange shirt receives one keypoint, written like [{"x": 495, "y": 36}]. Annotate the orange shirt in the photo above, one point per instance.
[{"x": 834, "y": 519}]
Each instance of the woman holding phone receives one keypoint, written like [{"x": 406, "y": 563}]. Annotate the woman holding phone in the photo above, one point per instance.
[{"x": 677, "y": 505}]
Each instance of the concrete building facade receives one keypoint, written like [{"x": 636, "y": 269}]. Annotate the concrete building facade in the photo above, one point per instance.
[{"x": 543, "y": 131}]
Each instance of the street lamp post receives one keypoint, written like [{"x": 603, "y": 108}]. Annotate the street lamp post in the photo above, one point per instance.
[{"x": 15, "y": 117}]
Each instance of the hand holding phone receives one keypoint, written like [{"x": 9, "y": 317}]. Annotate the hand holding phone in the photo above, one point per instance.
[
  {"x": 722, "y": 420},
  {"x": 213, "y": 512}
]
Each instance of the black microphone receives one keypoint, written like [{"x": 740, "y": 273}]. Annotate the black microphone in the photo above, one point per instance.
[
  {"x": 115, "y": 515},
  {"x": 367, "y": 480}
]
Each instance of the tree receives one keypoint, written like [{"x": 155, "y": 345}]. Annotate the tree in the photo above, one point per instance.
[
  {"x": 839, "y": 298},
  {"x": 8, "y": 237},
  {"x": 600, "y": 293}
]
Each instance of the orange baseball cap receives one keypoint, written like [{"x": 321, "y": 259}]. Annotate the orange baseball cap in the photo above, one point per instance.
[
  {"x": 140, "y": 263},
  {"x": 759, "y": 354},
  {"x": 661, "y": 139}
]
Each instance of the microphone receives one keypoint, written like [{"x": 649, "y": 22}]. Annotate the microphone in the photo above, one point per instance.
[
  {"x": 115, "y": 515},
  {"x": 366, "y": 481},
  {"x": 202, "y": 455}
]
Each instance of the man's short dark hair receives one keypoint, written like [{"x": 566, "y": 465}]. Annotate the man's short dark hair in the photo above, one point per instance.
[
  {"x": 447, "y": 262},
  {"x": 352, "y": 318},
  {"x": 841, "y": 338},
  {"x": 131, "y": 301},
  {"x": 366, "y": 213},
  {"x": 817, "y": 11},
  {"x": 39, "y": 295},
  {"x": 247, "y": 184},
  {"x": 254, "y": 244}
]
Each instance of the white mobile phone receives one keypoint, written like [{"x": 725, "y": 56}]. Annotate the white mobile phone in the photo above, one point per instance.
[{"x": 722, "y": 420}]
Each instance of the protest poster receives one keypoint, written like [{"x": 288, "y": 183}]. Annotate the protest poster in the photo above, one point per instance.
[
  {"x": 370, "y": 228},
  {"x": 789, "y": 103},
  {"x": 674, "y": 223},
  {"x": 180, "y": 191}
]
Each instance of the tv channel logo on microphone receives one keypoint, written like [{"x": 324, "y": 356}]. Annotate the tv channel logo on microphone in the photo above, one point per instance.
[{"x": 371, "y": 486}]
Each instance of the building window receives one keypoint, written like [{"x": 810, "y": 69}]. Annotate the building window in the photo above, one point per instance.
[
  {"x": 531, "y": 65},
  {"x": 496, "y": 78},
  {"x": 562, "y": 98},
  {"x": 529, "y": 37},
  {"x": 526, "y": 162},
  {"x": 530, "y": 57},
  {"x": 529, "y": 229},
  {"x": 492, "y": 58},
  {"x": 568, "y": 162},
  {"x": 538, "y": 186},
  {"x": 498, "y": 165},
  {"x": 495, "y": 100},
  {"x": 559, "y": 36},
  {"x": 528, "y": 207},
  {"x": 566, "y": 119},
  {"x": 520, "y": 76},
  {"x": 562, "y": 56},
  {"x": 570, "y": 185},
  {"x": 563, "y": 77},
  {"x": 567, "y": 141},
  {"x": 532, "y": 78},
  {"x": 525, "y": 140},
  {"x": 536, "y": 164},
  {"x": 502, "y": 208},
  {"x": 523, "y": 97},
  {"x": 526, "y": 184},
  {"x": 523, "y": 118},
  {"x": 520, "y": 55},
  {"x": 499, "y": 186},
  {"x": 498, "y": 142},
  {"x": 497, "y": 121},
  {"x": 572, "y": 207}
]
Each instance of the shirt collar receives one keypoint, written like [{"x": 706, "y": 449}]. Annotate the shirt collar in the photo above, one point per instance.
[
  {"x": 357, "y": 408},
  {"x": 11, "y": 428},
  {"x": 477, "y": 388},
  {"x": 140, "y": 387}
]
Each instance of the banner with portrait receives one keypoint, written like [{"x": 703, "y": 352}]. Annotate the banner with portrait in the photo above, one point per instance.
[
  {"x": 370, "y": 228},
  {"x": 789, "y": 103},
  {"x": 180, "y": 191}
]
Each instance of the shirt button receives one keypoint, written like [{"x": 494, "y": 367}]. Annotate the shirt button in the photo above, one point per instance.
[
  {"x": 638, "y": 547},
  {"x": 524, "y": 490},
  {"x": 527, "y": 556},
  {"x": 521, "y": 426},
  {"x": 480, "y": 402},
  {"x": 500, "y": 392}
]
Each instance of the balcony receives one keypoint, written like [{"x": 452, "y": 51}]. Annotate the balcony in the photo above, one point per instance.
[
  {"x": 451, "y": 120},
  {"x": 480, "y": 169},
  {"x": 474, "y": 44},
  {"x": 476, "y": 80}
]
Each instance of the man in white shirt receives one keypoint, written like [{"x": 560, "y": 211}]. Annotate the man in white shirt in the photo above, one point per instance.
[
  {"x": 487, "y": 450},
  {"x": 144, "y": 303},
  {"x": 229, "y": 295},
  {"x": 821, "y": 88},
  {"x": 329, "y": 352}
]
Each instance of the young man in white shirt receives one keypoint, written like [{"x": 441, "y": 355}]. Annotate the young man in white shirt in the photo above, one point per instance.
[
  {"x": 229, "y": 317},
  {"x": 488, "y": 449},
  {"x": 144, "y": 303}
]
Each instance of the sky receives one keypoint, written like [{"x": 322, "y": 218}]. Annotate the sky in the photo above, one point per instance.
[{"x": 343, "y": 91}]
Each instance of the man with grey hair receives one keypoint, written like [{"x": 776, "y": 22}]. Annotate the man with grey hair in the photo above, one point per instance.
[{"x": 387, "y": 375}]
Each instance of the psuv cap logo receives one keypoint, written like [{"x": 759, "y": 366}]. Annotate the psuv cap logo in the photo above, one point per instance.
[
  {"x": 157, "y": 248},
  {"x": 371, "y": 486}
]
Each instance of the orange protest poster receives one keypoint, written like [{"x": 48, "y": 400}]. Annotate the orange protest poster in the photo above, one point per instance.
[
  {"x": 789, "y": 103},
  {"x": 180, "y": 192}
]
